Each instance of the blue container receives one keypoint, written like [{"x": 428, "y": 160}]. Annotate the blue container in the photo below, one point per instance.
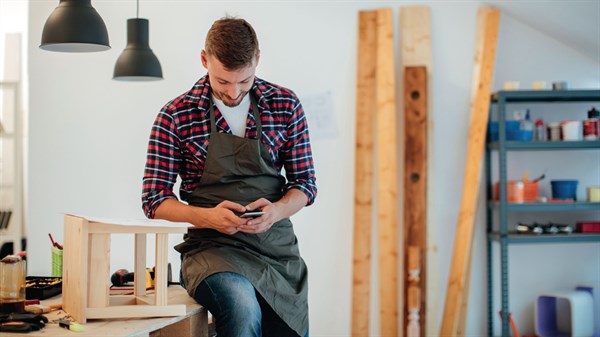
[
  {"x": 564, "y": 189},
  {"x": 513, "y": 131}
]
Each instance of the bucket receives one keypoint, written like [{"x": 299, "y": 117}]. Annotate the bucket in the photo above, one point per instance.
[
  {"x": 564, "y": 189},
  {"x": 518, "y": 191}
]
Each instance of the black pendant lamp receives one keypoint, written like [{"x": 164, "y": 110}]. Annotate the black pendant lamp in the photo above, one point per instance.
[
  {"x": 75, "y": 26},
  {"x": 137, "y": 62}
]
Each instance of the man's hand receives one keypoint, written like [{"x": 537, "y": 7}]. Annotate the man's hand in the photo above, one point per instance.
[
  {"x": 220, "y": 218},
  {"x": 264, "y": 222}
]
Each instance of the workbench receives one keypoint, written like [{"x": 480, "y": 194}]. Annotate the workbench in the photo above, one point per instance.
[{"x": 193, "y": 323}]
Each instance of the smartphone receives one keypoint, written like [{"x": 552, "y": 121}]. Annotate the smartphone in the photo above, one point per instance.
[{"x": 251, "y": 214}]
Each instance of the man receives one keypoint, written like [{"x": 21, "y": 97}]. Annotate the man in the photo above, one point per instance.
[{"x": 228, "y": 138}]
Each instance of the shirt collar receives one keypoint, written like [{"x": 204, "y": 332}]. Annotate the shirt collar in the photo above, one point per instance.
[{"x": 200, "y": 92}]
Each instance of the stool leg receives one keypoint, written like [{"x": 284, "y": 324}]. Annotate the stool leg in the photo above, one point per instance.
[
  {"x": 140, "y": 265},
  {"x": 160, "y": 274},
  {"x": 75, "y": 267},
  {"x": 99, "y": 271}
]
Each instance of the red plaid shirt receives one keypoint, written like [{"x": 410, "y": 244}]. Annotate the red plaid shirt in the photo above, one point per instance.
[{"x": 180, "y": 135}]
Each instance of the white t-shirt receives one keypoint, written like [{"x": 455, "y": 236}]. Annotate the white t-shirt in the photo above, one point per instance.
[{"x": 236, "y": 116}]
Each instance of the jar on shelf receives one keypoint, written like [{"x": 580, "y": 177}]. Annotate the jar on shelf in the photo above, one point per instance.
[{"x": 591, "y": 126}]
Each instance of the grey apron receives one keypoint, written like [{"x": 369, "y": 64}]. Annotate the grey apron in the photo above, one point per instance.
[{"x": 241, "y": 170}]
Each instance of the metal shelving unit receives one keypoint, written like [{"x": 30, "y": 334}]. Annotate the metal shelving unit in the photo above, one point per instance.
[{"x": 501, "y": 234}]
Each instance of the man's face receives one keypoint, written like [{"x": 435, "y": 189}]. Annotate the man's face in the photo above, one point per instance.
[{"x": 229, "y": 86}]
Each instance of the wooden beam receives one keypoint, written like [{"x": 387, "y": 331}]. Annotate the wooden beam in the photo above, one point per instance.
[
  {"x": 415, "y": 51},
  {"x": 415, "y": 187},
  {"x": 363, "y": 178},
  {"x": 387, "y": 190},
  {"x": 487, "y": 35}
]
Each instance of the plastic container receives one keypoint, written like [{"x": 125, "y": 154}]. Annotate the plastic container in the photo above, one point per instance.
[
  {"x": 553, "y": 131},
  {"x": 564, "y": 189},
  {"x": 526, "y": 128},
  {"x": 593, "y": 193},
  {"x": 540, "y": 130},
  {"x": 513, "y": 131},
  {"x": 12, "y": 284},
  {"x": 57, "y": 261},
  {"x": 571, "y": 130},
  {"x": 42, "y": 287},
  {"x": 569, "y": 313},
  {"x": 518, "y": 191}
]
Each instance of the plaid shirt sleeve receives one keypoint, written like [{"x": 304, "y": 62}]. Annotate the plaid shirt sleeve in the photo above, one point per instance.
[
  {"x": 162, "y": 163},
  {"x": 297, "y": 155}
]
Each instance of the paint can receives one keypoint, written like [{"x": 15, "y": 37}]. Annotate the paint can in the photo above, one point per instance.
[
  {"x": 554, "y": 131},
  {"x": 591, "y": 126},
  {"x": 571, "y": 130},
  {"x": 593, "y": 193}
]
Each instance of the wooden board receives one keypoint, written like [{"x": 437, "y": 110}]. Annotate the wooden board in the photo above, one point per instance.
[
  {"x": 415, "y": 51},
  {"x": 415, "y": 186},
  {"x": 363, "y": 193},
  {"x": 487, "y": 35},
  {"x": 387, "y": 190},
  {"x": 75, "y": 264}
]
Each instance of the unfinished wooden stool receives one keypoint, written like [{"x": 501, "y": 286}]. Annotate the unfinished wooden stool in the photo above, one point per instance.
[{"x": 86, "y": 269}]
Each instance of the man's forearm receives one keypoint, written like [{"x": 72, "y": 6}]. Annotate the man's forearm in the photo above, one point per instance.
[
  {"x": 293, "y": 201},
  {"x": 176, "y": 211}
]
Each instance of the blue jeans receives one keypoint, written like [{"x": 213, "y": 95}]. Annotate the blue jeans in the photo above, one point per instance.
[{"x": 238, "y": 309}]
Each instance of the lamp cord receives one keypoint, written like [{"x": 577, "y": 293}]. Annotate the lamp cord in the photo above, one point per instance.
[{"x": 137, "y": 10}]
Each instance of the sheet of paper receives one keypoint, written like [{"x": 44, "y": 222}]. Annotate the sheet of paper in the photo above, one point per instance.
[{"x": 320, "y": 115}]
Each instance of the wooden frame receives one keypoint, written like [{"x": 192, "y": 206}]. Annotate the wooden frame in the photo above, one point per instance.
[{"x": 86, "y": 288}]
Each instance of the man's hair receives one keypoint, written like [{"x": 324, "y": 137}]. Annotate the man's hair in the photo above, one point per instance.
[{"x": 233, "y": 42}]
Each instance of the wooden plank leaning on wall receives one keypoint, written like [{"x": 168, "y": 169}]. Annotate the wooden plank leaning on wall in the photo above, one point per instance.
[
  {"x": 376, "y": 93},
  {"x": 387, "y": 186},
  {"x": 416, "y": 61},
  {"x": 363, "y": 184},
  {"x": 415, "y": 204},
  {"x": 455, "y": 309}
]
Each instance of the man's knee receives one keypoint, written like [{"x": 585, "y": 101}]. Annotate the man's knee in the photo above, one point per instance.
[{"x": 233, "y": 301}]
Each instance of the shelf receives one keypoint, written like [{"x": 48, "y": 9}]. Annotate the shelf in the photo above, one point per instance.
[
  {"x": 549, "y": 206},
  {"x": 547, "y": 238},
  {"x": 540, "y": 96},
  {"x": 498, "y": 213},
  {"x": 547, "y": 145}
]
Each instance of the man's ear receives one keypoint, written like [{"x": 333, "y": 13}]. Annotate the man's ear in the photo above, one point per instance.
[
  {"x": 204, "y": 60},
  {"x": 257, "y": 57}
]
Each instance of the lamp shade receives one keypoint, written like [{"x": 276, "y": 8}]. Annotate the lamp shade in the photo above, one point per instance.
[
  {"x": 75, "y": 26},
  {"x": 137, "y": 62}
]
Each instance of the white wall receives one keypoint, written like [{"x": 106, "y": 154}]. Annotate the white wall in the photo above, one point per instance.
[{"x": 88, "y": 133}]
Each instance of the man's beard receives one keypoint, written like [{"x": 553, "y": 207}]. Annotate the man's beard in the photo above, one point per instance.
[{"x": 228, "y": 101}]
